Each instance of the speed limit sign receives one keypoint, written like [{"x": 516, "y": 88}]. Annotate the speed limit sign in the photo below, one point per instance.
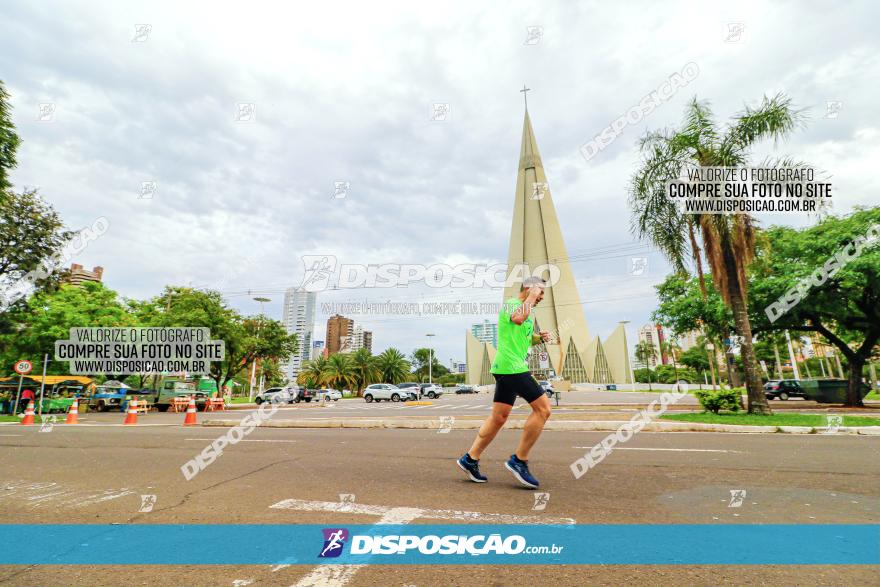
[
  {"x": 544, "y": 360},
  {"x": 23, "y": 367}
]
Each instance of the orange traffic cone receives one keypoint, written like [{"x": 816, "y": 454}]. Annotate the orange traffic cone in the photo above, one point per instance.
[
  {"x": 132, "y": 416},
  {"x": 28, "y": 419},
  {"x": 190, "y": 418},
  {"x": 73, "y": 413}
]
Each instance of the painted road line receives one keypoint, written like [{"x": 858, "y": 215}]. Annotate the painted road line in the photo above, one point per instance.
[
  {"x": 377, "y": 510},
  {"x": 339, "y": 575},
  {"x": 243, "y": 440},
  {"x": 667, "y": 449}
]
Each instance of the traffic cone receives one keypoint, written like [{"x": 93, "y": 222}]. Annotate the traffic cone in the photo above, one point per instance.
[
  {"x": 73, "y": 413},
  {"x": 190, "y": 418},
  {"x": 131, "y": 417},
  {"x": 28, "y": 419}
]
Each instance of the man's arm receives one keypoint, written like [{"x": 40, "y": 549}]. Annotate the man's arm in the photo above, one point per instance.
[{"x": 521, "y": 313}]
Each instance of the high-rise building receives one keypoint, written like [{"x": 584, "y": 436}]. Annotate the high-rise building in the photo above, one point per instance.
[
  {"x": 486, "y": 332},
  {"x": 337, "y": 327},
  {"x": 317, "y": 349},
  {"x": 343, "y": 336},
  {"x": 78, "y": 275},
  {"x": 688, "y": 340},
  {"x": 360, "y": 339},
  {"x": 299, "y": 319},
  {"x": 537, "y": 248},
  {"x": 653, "y": 335}
]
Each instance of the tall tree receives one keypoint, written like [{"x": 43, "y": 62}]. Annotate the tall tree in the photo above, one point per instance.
[
  {"x": 645, "y": 353},
  {"x": 48, "y": 316},
  {"x": 245, "y": 339},
  {"x": 339, "y": 371},
  {"x": 393, "y": 366},
  {"x": 828, "y": 280},
  {"x": 366, "y": 368},
  {"x": 9, "y": 140},
  {"x": 688, "y": 305},
  {"x": 313, "y": 373},
  {"x": 728, "y": 240}
]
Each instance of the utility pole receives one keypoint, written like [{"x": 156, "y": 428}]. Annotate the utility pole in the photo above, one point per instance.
[
  {"x": 430, "y": 359},
  {"x": 794, "y": 367}
]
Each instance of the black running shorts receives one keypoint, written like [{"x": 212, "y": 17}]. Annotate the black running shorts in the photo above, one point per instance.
[{"x": 507, "y": 387}]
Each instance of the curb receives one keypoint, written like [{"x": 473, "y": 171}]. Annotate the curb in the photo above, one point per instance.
[{"x": 569, "y": 425}]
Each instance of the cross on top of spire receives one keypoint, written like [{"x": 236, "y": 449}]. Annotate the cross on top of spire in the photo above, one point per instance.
[{"x": 525, "y": 96}]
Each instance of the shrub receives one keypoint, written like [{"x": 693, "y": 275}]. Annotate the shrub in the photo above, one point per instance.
[{"x": 716, "y": 400}]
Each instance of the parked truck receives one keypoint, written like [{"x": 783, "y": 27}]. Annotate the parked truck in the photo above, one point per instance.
[{"x": 174, "y": 389}]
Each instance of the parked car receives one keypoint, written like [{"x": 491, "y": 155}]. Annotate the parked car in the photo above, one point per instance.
[
  {"x": 462, "y": 388},
  {"x": 547, "y": 387},
  {"x": 431, "y": 390},
  {"x": 284, "y": 395},
  {"x": 783, "y": 389},
  {"x": 329, "y": 395},
  {"x": 306, "y": 395},
  {"x": 379, "y": 391},
  {"x": 411, "y": 389}
]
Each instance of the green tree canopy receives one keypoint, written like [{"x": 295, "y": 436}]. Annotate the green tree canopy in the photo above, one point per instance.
[{"x": 796, "y": 266}]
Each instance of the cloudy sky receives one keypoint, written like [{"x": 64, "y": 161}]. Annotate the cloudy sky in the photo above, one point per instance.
[{"x": 345, "y": 92}]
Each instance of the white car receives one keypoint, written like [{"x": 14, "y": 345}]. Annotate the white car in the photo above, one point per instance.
[
  {"x": 431, "y": 390},
  {"x": 386, "y": 391},
  {"x": 328, "y": 395},
  {"x": 284, "y": 395}
]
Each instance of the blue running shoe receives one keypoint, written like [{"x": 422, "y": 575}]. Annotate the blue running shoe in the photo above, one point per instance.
[
  {"x": 472, "y": 468},
  {"x": 520, "y": 470}
]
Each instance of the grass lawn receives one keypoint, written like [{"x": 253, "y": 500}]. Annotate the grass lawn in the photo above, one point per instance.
[
  {"x": 774, "y": 420},
  {"x": 873, "y": 395},
  {"x": 241, "y": 400}
]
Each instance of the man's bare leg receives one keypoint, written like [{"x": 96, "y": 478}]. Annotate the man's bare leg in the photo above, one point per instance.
[
  {"x": 533, "y": 427},
  {"x": 490, "y": 428}
]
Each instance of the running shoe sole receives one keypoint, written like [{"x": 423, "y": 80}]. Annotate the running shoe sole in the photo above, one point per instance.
[
  {"x": 468, "y": 473},
  {"x": 518, "y": 478}
]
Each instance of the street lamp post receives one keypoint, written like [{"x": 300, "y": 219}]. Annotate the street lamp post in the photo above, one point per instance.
[
  {"x": 430, "y": 359},
  {"x": 254, "y": 365}
]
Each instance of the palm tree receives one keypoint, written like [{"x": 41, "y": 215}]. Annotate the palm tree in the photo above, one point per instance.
[
  {"x": 670, "y": 347},
  {"x": 728, "y": 239},
  {"x": 313, "y": 372},
  {"x": 393, "y": 366},
  {"x": 645, "y": 352},
  {"x": 366, "y": 368},
  {"x": 339, "y": 372}
]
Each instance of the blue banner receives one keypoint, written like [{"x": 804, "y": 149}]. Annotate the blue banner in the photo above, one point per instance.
[{"x": 425, "y": 544}]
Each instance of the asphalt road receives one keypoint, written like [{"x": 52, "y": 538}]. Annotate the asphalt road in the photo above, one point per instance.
[
  {"x": 98, "y": 474},
  {"x": 589, "y": 404}
]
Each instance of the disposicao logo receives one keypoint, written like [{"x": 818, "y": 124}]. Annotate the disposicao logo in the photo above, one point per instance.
[{"x": 334, "y": 540}]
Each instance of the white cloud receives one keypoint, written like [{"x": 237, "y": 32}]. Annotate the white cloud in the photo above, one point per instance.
[{"x": 343, "y": 92}]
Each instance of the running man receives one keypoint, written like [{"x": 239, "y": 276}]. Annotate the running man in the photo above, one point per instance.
[{"x": 516, "y": 333}]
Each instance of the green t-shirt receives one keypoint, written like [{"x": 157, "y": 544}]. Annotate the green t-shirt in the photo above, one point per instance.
[{"x": 514, "y": 341}]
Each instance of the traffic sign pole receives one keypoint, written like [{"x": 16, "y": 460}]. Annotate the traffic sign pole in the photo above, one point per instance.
[
  {"x": 22, "y": 368},
  {"x": 43, "y": 383},
  {"x": 17, "y": 395}
]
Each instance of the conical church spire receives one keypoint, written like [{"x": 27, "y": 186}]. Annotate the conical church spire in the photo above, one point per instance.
[{"x": 536, "y": 241}]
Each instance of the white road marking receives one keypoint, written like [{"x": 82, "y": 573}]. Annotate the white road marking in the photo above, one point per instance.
[
  {"x": 10, "y": 434},
  {"x": 339, "y": 575},
  {"x": 378, "y": 510},
  {"x": 55, "y": 495},
  {"x": 668, "y": 449},
  {"x": 242, "y": 440}
]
